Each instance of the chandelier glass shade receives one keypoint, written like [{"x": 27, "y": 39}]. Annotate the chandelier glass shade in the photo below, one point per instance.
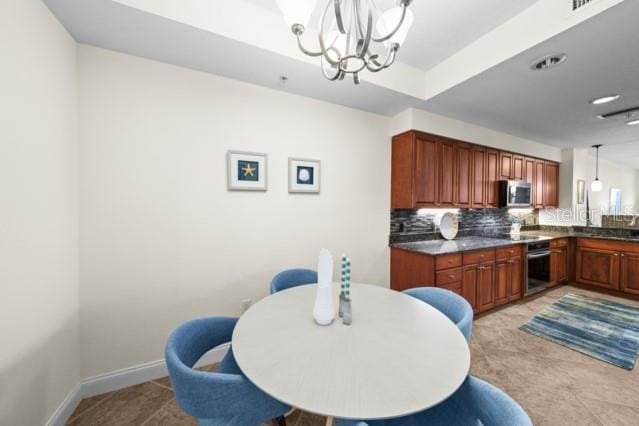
[{"x": 354, "y": 35}]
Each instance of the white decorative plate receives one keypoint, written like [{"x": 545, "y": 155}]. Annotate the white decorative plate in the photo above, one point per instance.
[{"x": 448, "y": 225}]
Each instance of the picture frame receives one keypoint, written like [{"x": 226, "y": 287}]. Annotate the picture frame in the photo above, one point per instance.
[
  {"x": 246, "y": 171},
  {"x": 581, "y": 191},
  {"x": 304, "y": 176}
]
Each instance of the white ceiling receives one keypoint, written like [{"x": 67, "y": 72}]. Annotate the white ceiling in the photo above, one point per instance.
[
  {"x": 549, "y": 107},
  {"x": 442, "y": 27},
  {"x": 553, "y": 106}
]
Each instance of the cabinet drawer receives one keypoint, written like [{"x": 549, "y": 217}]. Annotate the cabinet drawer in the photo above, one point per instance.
[
  {"x": 448, "y": 276},
  {"x": 479, "y": 257},
  {"x": 448, "y": 261},
  {"x": 508, "y": 252},
  {"x": 454, "y": 287},
  {"x": 563, "y": 242}
]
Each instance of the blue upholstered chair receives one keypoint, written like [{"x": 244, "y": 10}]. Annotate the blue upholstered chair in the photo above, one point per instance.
[
  {"x": 450, "y": 304},
  {"x": 225, "y": 397},
  {"x": 292, "y": 278},
  {"x": 476, "y": 403}
]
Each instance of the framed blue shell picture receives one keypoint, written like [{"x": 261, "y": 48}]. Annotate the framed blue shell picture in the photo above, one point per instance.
[
  {"x": 246, "y": 171},
  {"x": 303, "y": 176}
]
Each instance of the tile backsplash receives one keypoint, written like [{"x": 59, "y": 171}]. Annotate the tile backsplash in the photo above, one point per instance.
[{"x": 413, "y": 225}]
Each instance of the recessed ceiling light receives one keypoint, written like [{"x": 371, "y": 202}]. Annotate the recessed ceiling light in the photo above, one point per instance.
[
  {"x": 549, "y": 61},
  {"x": 632, "y": 122},
  {"x": 605, "y": 99}
]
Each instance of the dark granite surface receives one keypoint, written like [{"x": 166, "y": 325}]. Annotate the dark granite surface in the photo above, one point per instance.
[
  {"x": 439, "y": 247},
  {"x": 544, "y": 233}
]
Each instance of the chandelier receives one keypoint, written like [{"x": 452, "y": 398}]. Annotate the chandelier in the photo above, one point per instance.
[{"x": 354, "y": 35}]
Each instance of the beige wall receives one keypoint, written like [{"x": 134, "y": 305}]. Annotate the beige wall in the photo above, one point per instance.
[
  {"x": 415, "y": 119},
  {"x": 39, "y": 354},
  {"x": 580, "y": 164},
  {"x": 163, "y": 241}
]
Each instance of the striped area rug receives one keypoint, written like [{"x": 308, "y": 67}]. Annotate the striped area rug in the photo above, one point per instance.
[{"x": 602, "y": 329}]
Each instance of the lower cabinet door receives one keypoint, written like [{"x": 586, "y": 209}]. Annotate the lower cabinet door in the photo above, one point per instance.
[
  {"x": 469, "y": 285},
  {"x": 598, "y": 267},
  {"x": 455, "y": 287},
  {"x": 502, "y": 282},
  {"x": 630, "y": 273},
  {"x": 486, "y": 287},
  {"x": 516, "y": 279}
]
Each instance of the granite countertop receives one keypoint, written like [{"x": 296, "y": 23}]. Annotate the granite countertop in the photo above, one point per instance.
[
  {"x": 439, "y": 247},
  {"x": 459, "y": 245}
]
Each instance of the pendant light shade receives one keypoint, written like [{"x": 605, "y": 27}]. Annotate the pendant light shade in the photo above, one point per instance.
[
  {"x": 297, "y": 11},
  {"x": 597, "y": 185}
]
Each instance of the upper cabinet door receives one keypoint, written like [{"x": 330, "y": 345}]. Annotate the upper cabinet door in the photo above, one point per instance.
[
  {"x": 518, "y": 168},
  {"x": 505, "y": 166},
  {"x": 539, "y": 188},
  {"x": 529, "y": 171},
  {"x": 463, "y": 168},
  {"x": 552, "y": 185},
  {"x": 402, "y": 171},
  {"x": 479, "y": 182},
  {"x": 492, "y": 178},
  {"x": 426, "y": 172},
  {"x": 446, "y": 174}
]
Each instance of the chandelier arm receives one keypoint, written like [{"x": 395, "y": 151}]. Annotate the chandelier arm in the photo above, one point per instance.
[
  {"x": 369, "y": 35},
  {"x": 392, "y": 33},
  {"x": 358, "y": 11},
  {"x": 305, "y": 51},
  {"x": 338, "y": 16},
  {"x": 321, "y": 40}
]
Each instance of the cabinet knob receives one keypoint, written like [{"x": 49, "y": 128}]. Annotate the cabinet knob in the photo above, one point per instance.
[
  {"x": 451, "y": 277},
  {"x": 616, "y": 254}
]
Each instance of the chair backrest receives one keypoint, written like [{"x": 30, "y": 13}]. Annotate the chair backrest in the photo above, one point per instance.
[
  {"x": 292, "y": 278},
  {"x": 489, "y": 404},
  {"x": 229, "y": 399},
  {"x": 450, "y": 304}
]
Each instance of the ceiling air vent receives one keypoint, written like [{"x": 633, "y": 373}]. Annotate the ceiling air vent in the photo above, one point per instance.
[
  {"x": 577, "y": 4},
  {"x": 548, "y": 62}
]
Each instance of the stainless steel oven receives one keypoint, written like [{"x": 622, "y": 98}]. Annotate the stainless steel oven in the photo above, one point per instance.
[
  {"x": 538, "y": 267},
  {"x": 515, "y": 193}
]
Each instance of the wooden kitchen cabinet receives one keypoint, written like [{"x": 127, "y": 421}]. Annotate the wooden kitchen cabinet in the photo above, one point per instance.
[
  {"x": 518, "y": 171},
  {"x": 430, "y": 171},
  {"x": 426, "y": 173},
  {"x": 629, "y": 276},
  {"x": 464, "y": 175},
  {"x": 559, "y": 262},
  {"x": 598, "y": 267},
  {"x": 508, "y": 278},
  {"x": 492, "y": 178},
  {"x": 505, "y": 166},
  {"x": 486, "y": 286},
  {"x": 446, "y": 174},
  {"x": 551, "y": 184},
  {"x": 539, "y": 185}
]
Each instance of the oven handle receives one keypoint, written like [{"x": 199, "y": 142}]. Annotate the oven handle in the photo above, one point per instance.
[{"x": 539, "y": 254}]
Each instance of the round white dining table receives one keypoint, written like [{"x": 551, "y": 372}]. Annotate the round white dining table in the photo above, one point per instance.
[{"x": 398, "y": 357}]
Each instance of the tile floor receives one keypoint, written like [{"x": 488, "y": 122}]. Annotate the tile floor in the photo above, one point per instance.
[{"x": 555, "y": 385}]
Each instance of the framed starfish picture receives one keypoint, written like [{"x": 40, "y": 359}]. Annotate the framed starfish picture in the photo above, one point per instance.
[
  {"x": 246, "y": 171},
  {"x": 303, "y": 176}
]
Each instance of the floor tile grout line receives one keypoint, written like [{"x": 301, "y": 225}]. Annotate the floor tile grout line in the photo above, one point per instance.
[
  {"x": 161, "y": 385},
  {"x": 91, "y": 408},
  {"x": 157, "y": 411}
]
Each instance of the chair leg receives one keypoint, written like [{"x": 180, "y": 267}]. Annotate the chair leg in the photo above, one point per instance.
[{"x": 281, "y": 421}]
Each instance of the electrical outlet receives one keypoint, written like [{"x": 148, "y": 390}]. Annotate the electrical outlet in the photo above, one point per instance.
[{"x": 246, "y": 304}]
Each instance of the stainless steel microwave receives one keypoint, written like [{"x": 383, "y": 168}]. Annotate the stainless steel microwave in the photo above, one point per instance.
[{"x": 515, "y": 193}]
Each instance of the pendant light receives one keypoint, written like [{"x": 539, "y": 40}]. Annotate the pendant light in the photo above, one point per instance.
[{"x": 597, "y": 185}]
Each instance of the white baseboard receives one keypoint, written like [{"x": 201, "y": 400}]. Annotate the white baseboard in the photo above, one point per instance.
[
  {"x": 63, "y": 413},
  {"x": 121, "y": 379},
  {"x": 135, "y": 375}
]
